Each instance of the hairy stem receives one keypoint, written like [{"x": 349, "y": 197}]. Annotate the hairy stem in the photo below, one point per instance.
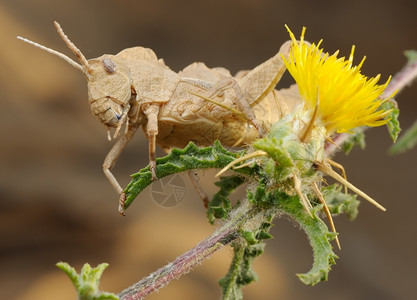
[
  {"x": 187, "y": 261},
  {"x": 402, "y": 79},
  {"x": 230, "y": 230}
]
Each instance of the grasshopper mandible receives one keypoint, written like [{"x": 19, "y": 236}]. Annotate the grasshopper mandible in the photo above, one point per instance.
[{"x": 134, "y": 88}]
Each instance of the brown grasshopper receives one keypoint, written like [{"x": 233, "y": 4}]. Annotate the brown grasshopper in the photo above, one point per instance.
[{"x": 134, "y": 88}]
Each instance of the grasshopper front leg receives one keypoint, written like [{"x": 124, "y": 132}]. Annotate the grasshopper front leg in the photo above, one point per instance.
[
  {"x": 111, "y": 159},
  {"x": 152, "y": 111}
]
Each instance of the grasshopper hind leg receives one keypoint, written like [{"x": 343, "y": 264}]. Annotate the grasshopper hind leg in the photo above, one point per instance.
[
  {"x": 242, "y": 100},
  {"x": 195, "y": 180}
]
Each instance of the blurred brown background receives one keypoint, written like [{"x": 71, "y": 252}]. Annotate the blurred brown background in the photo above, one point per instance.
[{"x": 57, "y": 205}]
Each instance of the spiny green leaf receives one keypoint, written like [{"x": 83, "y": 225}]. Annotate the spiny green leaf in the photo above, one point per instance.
[
  {"x": 217, "y": 212},
  {"x": 393, "y": 124},
  {"x": 357, "y": 137},
  {"x": 406, "y": 142},
  {"x": 280, "y": 165},
  {"x": 220, "y": 205},
  {"x": 339, "y": 202},
  {"x": 317, "y": 233},
  {"x": 245, "y": 250},
  {"x": 231, "y": 289},
  {"x": 259, "y": 196},
  {"x": 240, "y": 272},
  {"x": 189, "y": 158},
  {"x": 250, "y": 237},
  {"x": 275, "y": 150},
  {"x": 263, "y": 235}
]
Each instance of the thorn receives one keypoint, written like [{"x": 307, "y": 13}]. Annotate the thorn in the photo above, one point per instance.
[
  {"x": 340, "y": 167},
  {"x": 327, "y": 170},
  {"x": 304, "y": 201},
  {"x": 327, "y": 211},
  {"x": 306, "y": 132},
  {"x": 333, "y": 143},
  {"x": 238, "y": 160},
  {"x": 243, "y": 165}
]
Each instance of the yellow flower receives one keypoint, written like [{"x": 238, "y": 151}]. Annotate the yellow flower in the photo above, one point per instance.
[{"x": 345, "y": 99}]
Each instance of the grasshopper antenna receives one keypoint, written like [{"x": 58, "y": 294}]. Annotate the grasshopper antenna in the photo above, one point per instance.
[
  {"x": 70, "y": 45},
  {"x": 54, "y": 52}
]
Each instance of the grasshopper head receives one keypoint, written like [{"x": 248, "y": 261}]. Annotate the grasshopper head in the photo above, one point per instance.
[
  {"x": 109, "y": 86},
  {"x": 109, "y": 89}
]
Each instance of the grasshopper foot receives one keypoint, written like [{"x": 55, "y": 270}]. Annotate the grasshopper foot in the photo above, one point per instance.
[
  {"x": 122, "y": 200},
  {"x": 152, "y": 167}
]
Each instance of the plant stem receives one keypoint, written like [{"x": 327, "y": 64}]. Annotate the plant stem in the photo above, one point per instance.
[
  {"x": 187, "y": 261},
  {"x": 402, "y": 79},
  {"x": 229, "y": 231}
]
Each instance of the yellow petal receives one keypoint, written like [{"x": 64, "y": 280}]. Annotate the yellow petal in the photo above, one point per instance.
[{"x": 346, "y": 98}]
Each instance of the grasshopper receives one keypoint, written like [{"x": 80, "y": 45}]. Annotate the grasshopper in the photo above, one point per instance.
[{"x": 134, "y": 88}]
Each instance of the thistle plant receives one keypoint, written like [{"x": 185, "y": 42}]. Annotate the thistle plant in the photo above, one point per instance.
[{"x": 284, "y": 170}]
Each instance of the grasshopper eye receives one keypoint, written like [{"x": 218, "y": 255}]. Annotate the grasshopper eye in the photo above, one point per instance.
[{"x": 109, "y": 65}]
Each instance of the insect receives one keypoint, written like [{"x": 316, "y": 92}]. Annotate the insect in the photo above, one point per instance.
[{"x": 134, "y": 88}]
